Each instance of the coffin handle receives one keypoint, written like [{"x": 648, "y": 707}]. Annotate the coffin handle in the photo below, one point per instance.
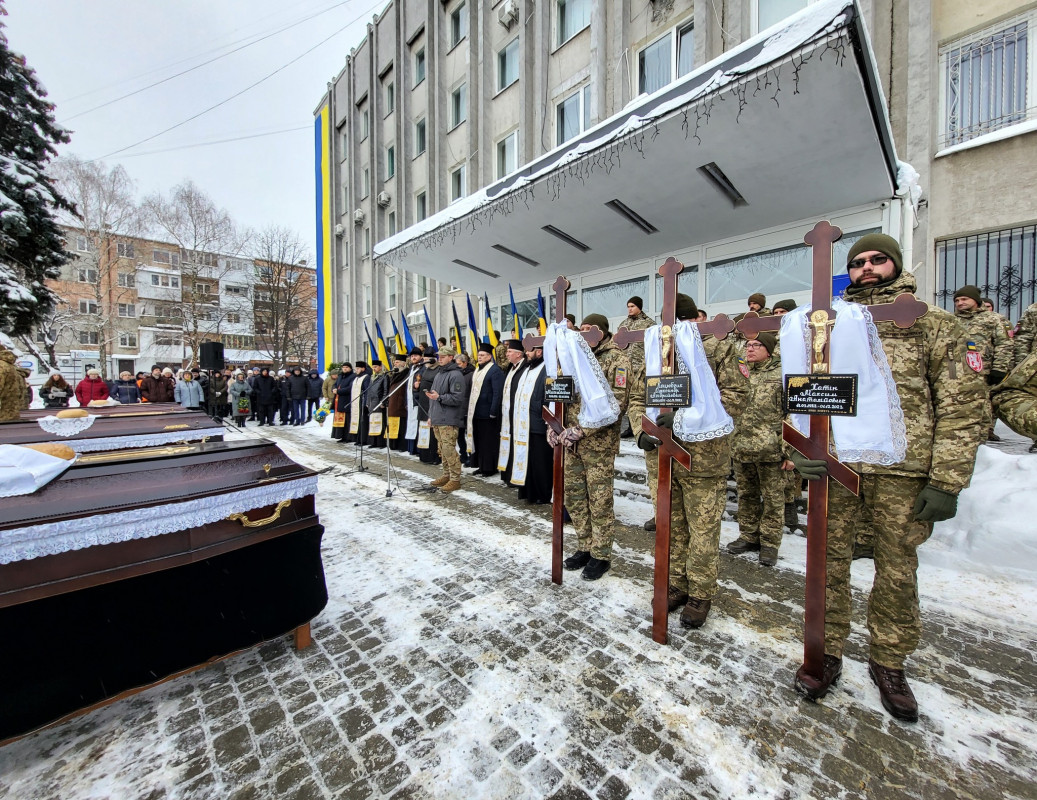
[{"x": 259, "y": 523}]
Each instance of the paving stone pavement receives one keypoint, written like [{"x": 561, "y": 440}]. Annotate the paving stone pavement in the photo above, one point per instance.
[{"x": 506, "y": 686}]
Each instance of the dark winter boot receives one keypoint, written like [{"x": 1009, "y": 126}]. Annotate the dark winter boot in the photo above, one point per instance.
[
  {"x": 650, "y": 525},
  {"x": 596, "y": 567},
  {"x": 768, "y": 556},
  {"x": 814, "y": 689},
  {"x": 742, "y": 545},
  {"x": 695, "y": 612},
  {"x": 675, "y": 598},
  {"x": 577, "y": 560},
  {"x": 791, "y": 516},
  {"x": 897, "y": 697}
]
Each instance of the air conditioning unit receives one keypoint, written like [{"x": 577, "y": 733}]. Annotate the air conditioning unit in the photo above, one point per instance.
[
  {"x": 340, "y": 231},
  {"x": 358, "y": 217},
  {"x": 508, "y": 13},
  {"x": 384, "y": 199},
  {"x": 64, "y": 362}
]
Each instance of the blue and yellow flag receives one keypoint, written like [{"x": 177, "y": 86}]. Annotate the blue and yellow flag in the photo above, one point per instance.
[
  {"x": 407, "y": 338},
  {"x": 382, "y": 355},
  {"x": 514, "y": 315},
  {"x": 397, "y": 339},
  {"x": 370, "y": 345},
  {"x": 433, "y": 342},
  {"x": 473, "y": 329},
  {"x": 491, "y": 334},
  {"x": 542, "y": 319},
  {"x": 457, "y": 330}
]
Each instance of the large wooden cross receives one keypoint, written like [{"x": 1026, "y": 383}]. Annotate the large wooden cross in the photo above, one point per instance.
[
  {"x": 904, "y": 311},
  {"x": 556, "y": 420},
  {"x": 669, "y": 449}
]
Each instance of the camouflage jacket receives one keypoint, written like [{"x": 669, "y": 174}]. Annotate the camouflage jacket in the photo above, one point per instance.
[
  {"x": 614, "y": 364},
  {"x": 1024, "y": 339},
  {"x": 713, "y": 457},
  {"x": 944, "y": 401},
  {"x": 1015, "y": 398},
  {"x": 990, "y": 339},
  {"x": 12, "y": 386},
  {"x": 636, "y": 351},
  {"x": 757, "y": 435}
]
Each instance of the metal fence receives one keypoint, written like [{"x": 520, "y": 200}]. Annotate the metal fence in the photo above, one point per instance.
[{"x": 1001, "y": 263}]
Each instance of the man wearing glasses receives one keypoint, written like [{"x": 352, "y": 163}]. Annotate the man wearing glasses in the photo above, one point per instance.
[{"x": 943, "y": 404}]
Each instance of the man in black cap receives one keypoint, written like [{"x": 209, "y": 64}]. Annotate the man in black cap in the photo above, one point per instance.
[
  {"x": 783, "y": 307},
  {"x": 428, "y": 447},
  {"x": 516, "y": 358},
  {"x": 415, "y": 366},
  {"x": 357, "y": 410},
  {"x": 376, "y": 395},
  {"x": 483, "y": 415},
  {"x": 396, "y": 404}
]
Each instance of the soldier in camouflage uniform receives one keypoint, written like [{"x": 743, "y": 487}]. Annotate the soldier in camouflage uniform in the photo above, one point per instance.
[
  {"x": 1015, "y": 398},
  {"x": 697, "y": 496},
  {"x": 638, "y": 320},
  {"x": 990, "y": 349},
  {"x": 944, "y": 404},
  {"x": 12, "y": 387},
  {"x": 758, "y": 452},
  {"x": 590, "y": 465},
  {"x": 1023, "y": 344}
]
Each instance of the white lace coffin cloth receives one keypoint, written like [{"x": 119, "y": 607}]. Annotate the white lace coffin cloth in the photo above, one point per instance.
[
  {"x": 705, "y": 418},
  {"x": 60, "y": 426},
  {"x": 877, "y": 434},
  {"x": 598, "y": 405},
  {"x": 24, "y": 470}
]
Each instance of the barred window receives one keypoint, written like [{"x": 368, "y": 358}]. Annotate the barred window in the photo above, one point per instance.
[{"x": 1003, "y": 264}]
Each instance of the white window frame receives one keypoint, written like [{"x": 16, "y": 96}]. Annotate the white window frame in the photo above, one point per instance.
[
  {"x": 365, "y": 183},
  {"x": 420, "y": 289},
  {"x": 86, "y": 275},
  {"x": 459, "y": 105},
  {"x": 755, "y": 11},
  {"x": 125, "y": 249},
  {"x": 127, "y": 280},
  {"x": 582, "y": 95},
  {"x": 420, "y": 205},
  {"x": 367, "y": 299},
  {"x": 390, "y": 293},
  {"x": 504, "y": 168},
  {"x": 504, "y": 55},
  {"x": 127, "y": 310},
  {"x": 390, "y": 222},
  {"x": 127, "y": 339},
  {"x": 365, "y": 124},
  {"x": 92, "y": 337},
  {"x": 458, "y": 25},
  {"x": 233, "y": 318},
  {"x": 367, "y": 242},
  {"x": 420, "y": 137},
  {"x": 564, "y": 7},
  {"x": 420, "y": 66},
  {"x": 87, "y": 306},
  {"x": 390, "y": 97},
  {"x": 458, "y": 182},
  {"x": 674, "y": 37},
  {"x": 390, "y": 161}
]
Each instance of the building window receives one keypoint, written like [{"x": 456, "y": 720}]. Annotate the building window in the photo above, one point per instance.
[
  {"x": 345, "y": 145},
  {"x": 83, "y": 245},
  {"x": 84, "y": 275},
  {"x": 365, "y": 183},
  {"x": 233, "y": 317},
  {"x": 239, "y": 291},
  {"x": 985, "y": 80},
  {"x": 390, "y": 161},
  {"x": 458, "y": 183},
  {"x": 421, "y": 289},
  {"x": 365, "y": 124},
  {"x": 127, "y": 340},
  {"x": 770, "y": 12},
  {"x": 419, "y": 66},
  {"x": 390, "y": 290},
  {"x": 507, "y": 64},
  {"x": 574, "y": 114},
  {"x": 87, "y": 307},
  {"x": 672, "y": 55},
  {"x": 390, "y": 98},
  {"x": 573, "y": 17},
  {"x": 420, "y": 206},
  {"x": 367, "y": 300},
  {"x": 392, "y": 223},
  {"x": 419, "y": 137},
  {"x": 127, "y": 310},
  {"x": 89, "y": 337},
  {"x": 458, "y": 24},
  {"x": 125, "y": 249},
  {"x": 459, "y": 105},
  {"x": 165, "y": 257},
  {"x": 367, "y": 241},
  {"x": 1001, "y": 263},
  {"x": 127, "y": 280},
  {"x": 507, "y": 154},
  {"x": 166, "y": 280}
]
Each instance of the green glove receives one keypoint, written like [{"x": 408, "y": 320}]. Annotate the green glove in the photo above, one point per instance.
[
  {"x": 665, "y": 420},
  {"x": 809, "y": 468},
  {"x": 935, "y": 505},
  {"x": 647, "y": 443}
]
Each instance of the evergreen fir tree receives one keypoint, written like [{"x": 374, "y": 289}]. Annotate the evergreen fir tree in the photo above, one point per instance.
[{"x": 31, "y": 248}]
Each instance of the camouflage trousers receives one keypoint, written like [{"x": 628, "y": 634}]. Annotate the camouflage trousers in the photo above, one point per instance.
[
  {"x": 793, "y": 486},
  {"x": 761, "y": 501},
  {"x": 696, "y": 507},
  {"x": 589, "y": 476},
  {"x": 894, "y": 621},
  {"x": 652, "y": 467},
  {"x": 446, "y": 435}
]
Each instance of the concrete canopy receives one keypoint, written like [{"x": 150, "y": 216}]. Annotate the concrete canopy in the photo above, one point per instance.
[{"x": 789, "y": 126}]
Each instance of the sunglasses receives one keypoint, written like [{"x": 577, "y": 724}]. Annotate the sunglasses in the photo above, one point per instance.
[{"x": 876, "y": 261}]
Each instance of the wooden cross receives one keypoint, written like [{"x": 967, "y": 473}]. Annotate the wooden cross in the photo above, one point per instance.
[
  {"x": 904, "y": 311},
  {"x": 669, "y": 449},
  {"x": 557, "y": 422}
]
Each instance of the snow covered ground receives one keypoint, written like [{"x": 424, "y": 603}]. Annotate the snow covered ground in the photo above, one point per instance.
[{"x": 447, "y": 665}]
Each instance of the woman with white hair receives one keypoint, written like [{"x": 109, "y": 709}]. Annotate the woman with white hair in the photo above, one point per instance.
[{"x": 91, "y": 388}]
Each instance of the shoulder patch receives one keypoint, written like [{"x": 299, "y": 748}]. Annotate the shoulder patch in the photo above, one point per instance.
[
  {"x": 743, "y": 367},
  {"x": 973, "y": 357},
  {"x": 621, "y": 377}
]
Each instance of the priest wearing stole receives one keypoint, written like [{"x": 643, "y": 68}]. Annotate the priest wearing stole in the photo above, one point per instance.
[
  {"x": 719, "y": 391},
  {"x": 533, "y": 469},
  {"x": 357, "y": 410},
  {"x": 482, "y": 431},
  {"x": 416, "y": 365},
  {"x": 374, "y": 402},
  {"x": 516, "y": 364},
  {"x": 396, "y": 405}
]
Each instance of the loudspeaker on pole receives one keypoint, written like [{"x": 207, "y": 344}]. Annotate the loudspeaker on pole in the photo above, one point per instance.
[{"x": 212, "y": 355}]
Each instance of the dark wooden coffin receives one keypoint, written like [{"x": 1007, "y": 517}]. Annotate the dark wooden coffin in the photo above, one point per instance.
[
  {"x": 112, "y": 411},
  {"x": 118, "y": 427},
  {"x": 131, "y": 567}
]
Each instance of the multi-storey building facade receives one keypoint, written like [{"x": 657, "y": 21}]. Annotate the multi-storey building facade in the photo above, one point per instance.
[
  {"x": 467, "y": 146},
  {"x": 126, "y": 303}
]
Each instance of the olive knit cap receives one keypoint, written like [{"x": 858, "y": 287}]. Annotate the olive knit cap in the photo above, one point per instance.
[
  {"x": 881, "y": 243},
  {"x": 597, "y": 319}
]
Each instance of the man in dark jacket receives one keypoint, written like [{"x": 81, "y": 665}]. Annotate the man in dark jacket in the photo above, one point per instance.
[
  {"x": 314, "y": 391},
  {"x": 375, "y": 403},
  {"x": 298, "y": 386},
  {"x": 446, "y": 412},
  {"x": 156, "y": 387},
  {"x": 465, "y": 365},
  {"x": 125, "y": 390},
  {"x": 341, "y": 391},
  {"x": 428, "y": 454},
  {"x": 483, "y": 413},
  {"x": 264, "y": 396},
  {"x": 357, "y": 409},
  {"x": 251, "y": 381},
  {"x": 218, "y": 385}
]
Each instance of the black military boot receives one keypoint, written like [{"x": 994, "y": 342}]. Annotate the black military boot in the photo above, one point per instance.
[
  {"x": 577, "y": 560},
  {"x": 695, "y": 612},
  {"x": 742, "y": 545},
  {"x": 791, "y": 516},
  {"x": 897, "y": 697},
  {"x": 595, "y": 568},
  {"x": 675, "y": 598},
  {"x": 814, "y": 689},
  {"x": 768, "y": 556},
  {"x": 650, "y": 525}
]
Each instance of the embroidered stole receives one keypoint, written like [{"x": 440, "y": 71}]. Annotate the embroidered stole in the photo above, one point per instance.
[
  {"x": 412, "y": 407},
  {"x": 522, "y": 421},
  {"x": 354, "y": 412},
  {"x": 477, "y": 381},
  {"x": 505, "y": 428}
]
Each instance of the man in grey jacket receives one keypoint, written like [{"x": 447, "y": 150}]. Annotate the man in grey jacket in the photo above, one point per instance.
[{"x": 446, "y": 414}]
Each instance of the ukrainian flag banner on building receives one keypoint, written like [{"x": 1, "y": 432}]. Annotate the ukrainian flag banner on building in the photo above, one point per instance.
[{"x": 322, "y": 184}]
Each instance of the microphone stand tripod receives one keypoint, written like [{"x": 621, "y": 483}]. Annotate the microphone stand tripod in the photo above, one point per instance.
[
  {"x": 390, "y": 470},
  {"x": 360, "y": 430}
]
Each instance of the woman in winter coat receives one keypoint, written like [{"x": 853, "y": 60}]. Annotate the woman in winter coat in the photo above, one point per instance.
[
  {"x": 297, "y": 385},
  {"x": 189, "y": 393},
  {"x": 125, "y": 390},
  {"x": 235, "y": 390},
  {"x": 55, "y": 392},
  {"x": 314, "y": 392},
  {"x": 265, "y": 396},
  {"x": 158, "y": 386},
  {"x": 341, "y": 390},
  {"x": 91, "y": 388}
]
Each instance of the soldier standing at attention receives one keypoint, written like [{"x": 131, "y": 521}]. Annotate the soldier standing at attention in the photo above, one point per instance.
[
  {"x": 591, "y": 437},
  {"x": 990, "y": 349},
  {"x": 719, "y": 391},
  {"x": 756, "y": 447},
  {"x": 941, "y": 413},
  {"x": 1023, "y": 344}
]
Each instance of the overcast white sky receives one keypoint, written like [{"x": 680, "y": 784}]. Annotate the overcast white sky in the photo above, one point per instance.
[{"x": 89, "y": 52}]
